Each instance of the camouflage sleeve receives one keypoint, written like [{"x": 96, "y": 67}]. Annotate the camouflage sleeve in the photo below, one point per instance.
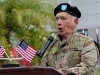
[{"x": 89, "y": 60}]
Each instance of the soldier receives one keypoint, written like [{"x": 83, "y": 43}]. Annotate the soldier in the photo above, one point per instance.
[{"x": 71, "y": 52}]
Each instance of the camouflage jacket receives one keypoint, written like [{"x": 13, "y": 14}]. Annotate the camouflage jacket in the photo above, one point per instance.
[{"x": 78, "y": 55}]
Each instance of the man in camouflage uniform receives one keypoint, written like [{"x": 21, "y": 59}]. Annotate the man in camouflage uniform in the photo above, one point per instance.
[{"x": 71, "y": 52}]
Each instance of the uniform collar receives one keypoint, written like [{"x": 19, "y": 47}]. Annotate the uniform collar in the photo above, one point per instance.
[{"x": 69, "y": 38}]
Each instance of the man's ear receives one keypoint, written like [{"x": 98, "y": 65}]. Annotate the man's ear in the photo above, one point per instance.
[{"x": 76, "y": 21}]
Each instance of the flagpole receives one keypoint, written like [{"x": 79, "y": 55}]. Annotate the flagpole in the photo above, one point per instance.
[{"x": 8, "y": 57}]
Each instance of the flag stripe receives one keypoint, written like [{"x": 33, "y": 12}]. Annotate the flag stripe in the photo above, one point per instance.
[
  {"x": 22, "y": 53},
  {"x": 1, "y": 56},
  {"x": 32, "y": 49},
  {"x": 28, "y": 54},
  {"x": 2, "y": 51}
]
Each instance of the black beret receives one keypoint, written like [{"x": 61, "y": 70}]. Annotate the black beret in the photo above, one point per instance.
[{"x": 65, "y": 7}]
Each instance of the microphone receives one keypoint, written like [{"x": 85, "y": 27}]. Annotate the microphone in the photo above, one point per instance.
[{"x": 43, "y": 50}]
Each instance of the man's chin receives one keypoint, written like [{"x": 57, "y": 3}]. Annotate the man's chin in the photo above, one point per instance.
[{"x": 62, "y": 34}]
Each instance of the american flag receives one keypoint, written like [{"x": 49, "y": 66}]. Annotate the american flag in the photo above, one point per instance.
[
  {"x": 2, "y": 51},
  {"x": 26, "y": 51}
]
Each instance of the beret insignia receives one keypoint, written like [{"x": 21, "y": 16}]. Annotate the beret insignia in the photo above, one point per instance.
[{"x": 63, "y": 7}]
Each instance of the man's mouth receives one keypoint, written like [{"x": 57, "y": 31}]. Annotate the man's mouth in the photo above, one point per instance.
[{"x": 60, "y": 29}]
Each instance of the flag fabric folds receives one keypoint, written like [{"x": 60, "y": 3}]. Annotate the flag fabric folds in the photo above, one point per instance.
[
  {"x": 2, "y": 51},
  {"x": 26, "y": 51}
]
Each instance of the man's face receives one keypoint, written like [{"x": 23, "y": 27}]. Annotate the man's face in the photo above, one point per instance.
[{"x": 65, "y": 23}]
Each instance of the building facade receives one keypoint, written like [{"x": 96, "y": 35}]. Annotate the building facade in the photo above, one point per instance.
[{"x": 89, "y": 23}]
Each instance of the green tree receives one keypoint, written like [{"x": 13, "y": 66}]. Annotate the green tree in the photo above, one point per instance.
[{"x": 26, "y": 19}]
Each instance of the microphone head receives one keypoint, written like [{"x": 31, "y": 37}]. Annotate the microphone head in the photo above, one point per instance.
[{"x": 50, "y": 38}]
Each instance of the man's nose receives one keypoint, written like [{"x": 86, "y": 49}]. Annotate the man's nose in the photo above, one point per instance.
[{"x": 58, "y": 21}]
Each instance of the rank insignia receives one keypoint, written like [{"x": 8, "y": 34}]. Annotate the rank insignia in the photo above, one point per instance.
[{"x": 53, "y": 50}]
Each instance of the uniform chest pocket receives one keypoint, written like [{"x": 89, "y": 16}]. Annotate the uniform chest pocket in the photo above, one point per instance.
[
  {"x": 74, "y": 57},
  {"x": 74, "y": 54}
]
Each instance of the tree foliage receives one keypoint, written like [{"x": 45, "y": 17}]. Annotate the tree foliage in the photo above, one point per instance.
[{"x": 25, "y": 19}]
